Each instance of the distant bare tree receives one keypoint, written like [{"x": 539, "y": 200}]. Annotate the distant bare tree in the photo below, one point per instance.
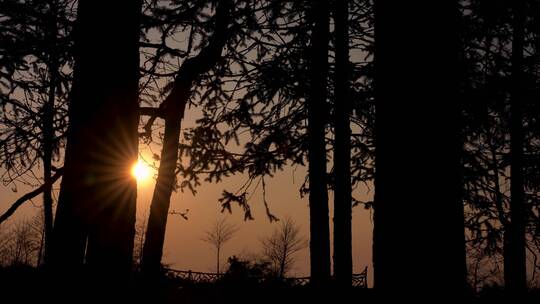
[
  {"x": 25, "y": 243},
  {"x": 218, "y": 235},
  {"x": 5, "y": 239},
  {"x": 279, "y": 248},
  {"x": 39, "y": 234},
  {"x": 140, "y": 233}
]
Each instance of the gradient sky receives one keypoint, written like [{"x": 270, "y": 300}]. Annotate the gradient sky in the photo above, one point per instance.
[{"x": 184, "y": 248}]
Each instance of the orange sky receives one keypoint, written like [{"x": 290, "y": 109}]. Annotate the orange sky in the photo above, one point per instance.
[{"x": 184, "y": 248}]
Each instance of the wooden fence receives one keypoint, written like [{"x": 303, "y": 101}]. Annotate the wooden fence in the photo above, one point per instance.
[{"x": 359, "y": 280}]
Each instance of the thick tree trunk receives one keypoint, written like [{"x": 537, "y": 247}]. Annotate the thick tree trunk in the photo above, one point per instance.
[
  {"x": 112, "y": 229},
  {"x": 98, "y": 193},
  {"x": 174, "y": 107},
  {"x": 317, "y": 118},
  {"x": 515, "y": 274},
  {"x": 419, "y": 227},
  {"x": 342, "y": 150}
]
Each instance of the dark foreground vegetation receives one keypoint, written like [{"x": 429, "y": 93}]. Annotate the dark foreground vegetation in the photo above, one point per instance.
[{"x": 26, "y": 284}]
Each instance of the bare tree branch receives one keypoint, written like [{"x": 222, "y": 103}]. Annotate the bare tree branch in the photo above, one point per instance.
[{"x": 28, "y": 196}]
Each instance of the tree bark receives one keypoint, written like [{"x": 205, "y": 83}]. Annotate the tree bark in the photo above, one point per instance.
[
  {"x": 48, "y": 129},
  {"x": 515, "y": 273},
  {"x": 342, "y": 150},
  {"x": 98, "y": 194},
  {"x": 112, "y": 228},
  {"x": 174, "y": 107},
  {"x": 418, "y": 247},
  {"x": 316, "y": 107},
  {"x": 159, "y": 208}
]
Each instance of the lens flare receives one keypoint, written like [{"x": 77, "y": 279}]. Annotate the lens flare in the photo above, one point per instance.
[{"x": 141, "y": 172}]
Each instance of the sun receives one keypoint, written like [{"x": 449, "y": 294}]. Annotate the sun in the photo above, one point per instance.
[{"x": 141, "y": 172}]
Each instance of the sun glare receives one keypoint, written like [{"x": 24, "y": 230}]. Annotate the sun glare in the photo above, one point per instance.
[{"x": 141, "y": 171}]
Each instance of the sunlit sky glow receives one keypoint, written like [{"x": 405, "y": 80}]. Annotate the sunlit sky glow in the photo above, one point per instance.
[
  {"x": 142, "y": 172},
  {"x": 184, "y": 248}
]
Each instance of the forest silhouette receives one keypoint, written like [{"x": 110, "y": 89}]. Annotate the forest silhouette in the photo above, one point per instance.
[{"x": 434, "y": 103}]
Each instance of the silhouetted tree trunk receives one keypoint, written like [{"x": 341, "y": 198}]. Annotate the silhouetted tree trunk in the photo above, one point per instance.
[
  {"x": 69, "y": 234},
  {"x": 515, "y": 274},
  {"x": 98, "y": 193},
  {"x": 342, "y": 149},
  {"x": 419, "y": 226},
  {"x": 112, "y": 231},
  {"x": 48, "y": 129},
  {"x": 159, "y": 208},
  {"x": 173, "y": 109},
  {"x": 220, "y": 233},
  {"x": 317, "y": 118},
  {"x": 217, "y": 260}
]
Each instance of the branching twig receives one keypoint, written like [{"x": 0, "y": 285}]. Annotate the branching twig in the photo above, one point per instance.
[{"x": 28, "y": 196}]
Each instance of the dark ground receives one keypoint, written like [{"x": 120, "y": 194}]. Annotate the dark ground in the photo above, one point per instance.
[{"x": 26, "y": 285}]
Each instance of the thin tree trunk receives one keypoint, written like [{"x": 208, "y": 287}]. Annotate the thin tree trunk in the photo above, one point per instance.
[
  {"x": 316, "y": 107},
  {"x": 48, "y": 135},
  {"x": 282, "y": 265},
  {"x": 48, "y": 130},
  {"x": 217, "y": 262},
  {"x": 419, "y": 224},
  {"x": 515, "y": 274},
  {"x": 141, "y": 242},
  {"x": 41, "y": 248},
  {"x": 342, "y": 150},
  {"x": 174, "y": 107},
  {"x": 503, "y": 219}
]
